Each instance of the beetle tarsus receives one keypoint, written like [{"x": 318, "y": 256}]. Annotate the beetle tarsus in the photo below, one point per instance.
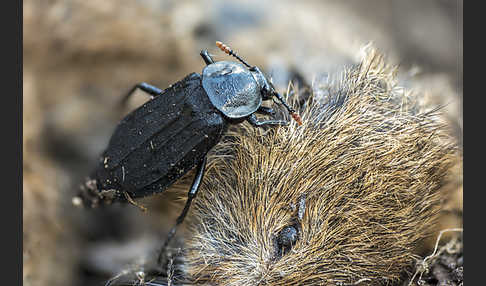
[
  {"x": 266, "y": 110},
  {"x": 253, "y": 121}
]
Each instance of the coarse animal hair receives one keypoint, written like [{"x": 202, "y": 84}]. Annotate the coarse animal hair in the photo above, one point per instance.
[{"x": 359, "y": 180}]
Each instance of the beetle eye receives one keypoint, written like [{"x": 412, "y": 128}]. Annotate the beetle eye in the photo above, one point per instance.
[
  {"x": 286, "y": 239},
  {"x": 266, "y": 95}
]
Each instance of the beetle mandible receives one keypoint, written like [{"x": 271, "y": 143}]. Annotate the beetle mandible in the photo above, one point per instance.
[{"x": 169, "y": 135}]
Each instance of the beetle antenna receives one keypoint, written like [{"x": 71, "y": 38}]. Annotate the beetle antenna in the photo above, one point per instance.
[
  {"x": 230, "y": 52},
  {"x": 292, "y": 112}
]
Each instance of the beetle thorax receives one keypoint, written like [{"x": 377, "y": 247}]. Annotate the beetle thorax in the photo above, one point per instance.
[{"x": 232, "y": 89}]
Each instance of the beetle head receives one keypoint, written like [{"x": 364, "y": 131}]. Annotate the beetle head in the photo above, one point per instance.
[{"x": 267, "y": 89}]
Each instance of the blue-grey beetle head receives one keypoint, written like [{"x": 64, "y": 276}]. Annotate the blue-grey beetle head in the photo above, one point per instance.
[
  {"x": 235, "y": 90},
  {"x": 232, "y": 88}
]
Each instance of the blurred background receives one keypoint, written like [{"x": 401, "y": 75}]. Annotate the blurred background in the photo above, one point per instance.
[{"x": 80, "y": 56}]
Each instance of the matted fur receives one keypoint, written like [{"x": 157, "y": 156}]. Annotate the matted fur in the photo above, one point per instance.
[{"x": 366, "y": 166}]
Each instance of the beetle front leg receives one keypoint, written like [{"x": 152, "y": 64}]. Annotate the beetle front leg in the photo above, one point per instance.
[
  {"x": 253, "y": 121},
  {"x": 266, "y": 110},
  {"x": 206, "y": 57},
  {"x": 150, "y": 89},
  {"x": 190, "y": 196}
]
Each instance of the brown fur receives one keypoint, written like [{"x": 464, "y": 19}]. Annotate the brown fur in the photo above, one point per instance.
[{"x": 366, "y": 169}]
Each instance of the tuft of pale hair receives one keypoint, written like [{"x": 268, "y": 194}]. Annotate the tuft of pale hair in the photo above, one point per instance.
[{"x": 359, "y": 180}]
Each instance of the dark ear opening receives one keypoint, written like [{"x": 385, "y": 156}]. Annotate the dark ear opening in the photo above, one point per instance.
[{"x": 285, "y": 240}]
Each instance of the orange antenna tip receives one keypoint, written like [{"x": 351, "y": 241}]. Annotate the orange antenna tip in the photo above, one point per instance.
[
  {"x": 297, "y": 118},
  {"x": 223, "y": 47},
  {"x": 230, "y": 52}
]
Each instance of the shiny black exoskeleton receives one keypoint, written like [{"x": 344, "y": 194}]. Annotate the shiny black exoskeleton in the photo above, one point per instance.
[{"x": 169, "y": 135}]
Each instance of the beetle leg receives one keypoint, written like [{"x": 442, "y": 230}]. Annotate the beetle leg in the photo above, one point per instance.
[
  {"x": 206, "y": 57},
  {"x": 150, "y": 89},
  {"x": 253, "y": 121},
  {"x": 131, "y": 201},
  {"x": 190, "y": 196},
  {"x": 266, "y": 110}
]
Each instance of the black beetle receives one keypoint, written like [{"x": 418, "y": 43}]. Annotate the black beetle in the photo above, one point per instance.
[{"x": 169, "y": 135}]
